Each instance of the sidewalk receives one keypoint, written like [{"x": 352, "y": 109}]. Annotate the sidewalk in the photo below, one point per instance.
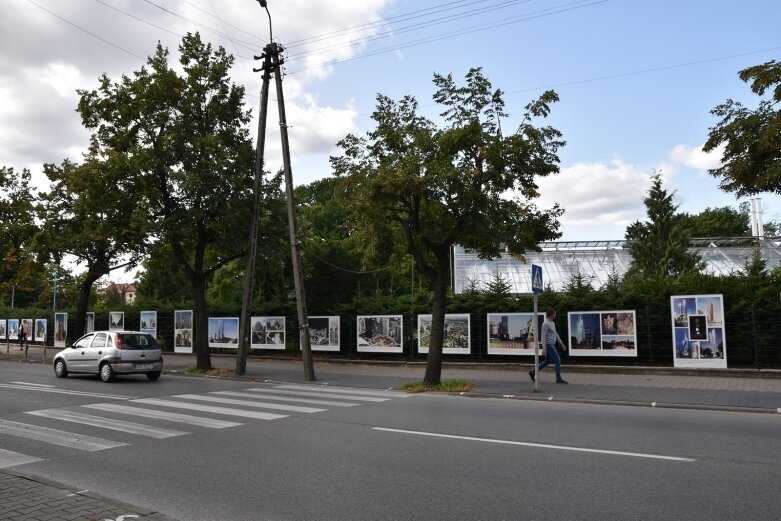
[
  {"x": 29, "y": 498},
  {"x": 743, "y": 390}
]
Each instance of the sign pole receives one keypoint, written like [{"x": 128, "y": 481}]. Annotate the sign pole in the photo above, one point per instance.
[
  {"x": 537, "y": 288},
  {"x": 536, "y": 349}
]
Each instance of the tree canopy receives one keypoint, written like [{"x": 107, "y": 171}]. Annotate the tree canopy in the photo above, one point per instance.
[
  {"x": 751, "y": 162},
  {"x": 93, "y": 213},
  {"x": 417, "y": 189},
  {"x": 19, "y": 232},
  {"x": 186, "y": 139}
]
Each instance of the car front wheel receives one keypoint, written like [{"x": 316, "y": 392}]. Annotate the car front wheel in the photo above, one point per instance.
[
  {"x": 106, "y": 373},
  {"x": 60, "y": 370}
]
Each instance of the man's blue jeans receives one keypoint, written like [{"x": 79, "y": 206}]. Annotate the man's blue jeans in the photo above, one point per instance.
[{"x": 552, "y": 355}]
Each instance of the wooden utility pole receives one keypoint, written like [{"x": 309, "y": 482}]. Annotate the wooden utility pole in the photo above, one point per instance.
[{"x": 273, "y": 65}]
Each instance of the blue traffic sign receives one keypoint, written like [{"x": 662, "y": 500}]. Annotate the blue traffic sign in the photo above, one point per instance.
[{"x": 537, "y": 279}]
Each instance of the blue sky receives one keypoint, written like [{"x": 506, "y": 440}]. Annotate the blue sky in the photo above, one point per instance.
[{"x": 637, "y": 79}]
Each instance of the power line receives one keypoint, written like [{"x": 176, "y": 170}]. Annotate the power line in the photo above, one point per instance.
[
  {"x": 644, "y": 71},
  {"x": 345, "y": 269},
  {"x": 409, "y": 28},
  {"x": 537, "y": 14},
  {"x": 86, "y": 31},
  {"x": 385, "y": 21}
]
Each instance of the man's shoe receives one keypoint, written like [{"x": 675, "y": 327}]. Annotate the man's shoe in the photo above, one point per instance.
[
  {"x": 562, "y": 382},
  {"x": 531, "y": 375}
]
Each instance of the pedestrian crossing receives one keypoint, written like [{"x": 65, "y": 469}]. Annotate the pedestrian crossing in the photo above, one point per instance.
[{"x": 180, "y": 414}]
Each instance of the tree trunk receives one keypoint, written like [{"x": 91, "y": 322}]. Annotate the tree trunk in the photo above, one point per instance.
[
  {"x": 200, "y": 323},
  {"x": 434, "y": 361},
  {"x": 81, "y": 309}
]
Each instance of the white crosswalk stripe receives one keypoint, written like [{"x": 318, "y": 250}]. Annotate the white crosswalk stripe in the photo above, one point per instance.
[
  {"x": 345, "y": 390},
  {"x": 199, "y": 421},
  {"x": 320, "y": 394},
  {"x": 107, "y": 423},
  {"x": 12, "y": 459},
  {"x": 277, "y": 398},
  {"x": 44, "y": 389},
  {"x": 247, "y": 403},
  {"x": 207, "y": 408},
  {"x": 57, "y": 437}
]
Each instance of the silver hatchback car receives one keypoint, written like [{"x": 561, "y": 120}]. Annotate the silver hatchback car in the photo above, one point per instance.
[{"x": 109, "y": 353}]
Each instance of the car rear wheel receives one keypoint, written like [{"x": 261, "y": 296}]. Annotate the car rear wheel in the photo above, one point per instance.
[
  {"x": 106, "y": 373},
  {"x": 60, "y": 370},
  {"x": 153, "y": 375}
]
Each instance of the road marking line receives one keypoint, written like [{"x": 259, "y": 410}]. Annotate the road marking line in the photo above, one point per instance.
[
  {"x": 345, "y": 390},
  {"x": 286, "y": 398},
  {"x": 538, "y": 445},
  {"x": 320, "y": 395},
  {"x": 12, "y": 459},
  {"x": 164, "y": 415},
  {"x": 64, "y": 391},
  {"x": 217, "y": 410},
  {"x": 107, "y": 423},
  {"x": 57, "y": 437},
  {"x": 30, "y": 383},
  {"x": 246, "y": 403}
]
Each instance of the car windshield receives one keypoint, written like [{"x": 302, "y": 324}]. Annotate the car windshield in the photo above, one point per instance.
[{"x": 137, "y": 341}]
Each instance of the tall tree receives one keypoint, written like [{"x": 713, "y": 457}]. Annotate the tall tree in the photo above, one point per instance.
[
  {"x": 418, "y": 189},
  {"x": 751, "y": 162},
  {"x": 660, "y": 245},
  {"x": 92, "y": 213},
  {"x": 186, "y": 136},
  {"x": 717, "y": 222},
  {"x": 18, "y": 232}
]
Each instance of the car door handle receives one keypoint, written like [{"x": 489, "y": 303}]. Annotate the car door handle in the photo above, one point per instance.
[{"x": 82, "y": 352}]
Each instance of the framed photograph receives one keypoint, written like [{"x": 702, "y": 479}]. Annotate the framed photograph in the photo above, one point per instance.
[
  {"x": 380, "y": 334},
  {"x": 3, "y": 330},
  {"x": 40, "y": 330},
  {"x": 224, "y": 332},
  {"x": 324, "y": 333},
  {"x": 699, "y": 337},
  {"x": 13, "y": 329},
  {"x": 89, "y": 324},
  {"x": 267, "y": 333},
  {"x": 60, "y": 329},
  {"x": 513, "y": 333},
  {"x": 183, "y": 331},
  {"x": 457, "y": 339},
  {"x": 602, "y": 333},
  {"x": 27, "y": 323},
  {"x": 697, "y": 329},
  {"x": 148, "y": 323},
  {"x": 116, "y": 320}
]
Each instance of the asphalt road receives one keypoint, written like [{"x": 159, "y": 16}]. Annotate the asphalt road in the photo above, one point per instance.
[{"x": 374, "y": 455}]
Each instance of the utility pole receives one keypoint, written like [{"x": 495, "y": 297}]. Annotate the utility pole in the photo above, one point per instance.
[{"x": 272, "y": 65}]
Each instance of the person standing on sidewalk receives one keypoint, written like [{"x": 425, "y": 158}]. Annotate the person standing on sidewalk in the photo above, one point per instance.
[
  {"x": 22, "y": 335},
  {"x": 551, "y": 340}
]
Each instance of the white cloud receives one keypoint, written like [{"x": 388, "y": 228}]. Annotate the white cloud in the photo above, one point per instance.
[
  {"x": 694, "y": 157},
  {"x": 597, "y": 195}
]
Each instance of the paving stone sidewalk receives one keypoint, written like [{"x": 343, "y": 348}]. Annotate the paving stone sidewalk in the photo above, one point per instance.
[{"x": 29, "y": 498}]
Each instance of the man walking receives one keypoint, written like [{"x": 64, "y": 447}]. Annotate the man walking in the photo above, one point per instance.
[{"x": 551, "y": 339}]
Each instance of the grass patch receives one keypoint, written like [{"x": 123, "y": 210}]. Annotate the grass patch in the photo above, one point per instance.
[
  {"x": 448, "y": 386},
  {"x": 219, "y": 371}
]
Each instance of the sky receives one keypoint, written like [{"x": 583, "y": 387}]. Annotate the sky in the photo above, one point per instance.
[{"x": 637, "y": 79}]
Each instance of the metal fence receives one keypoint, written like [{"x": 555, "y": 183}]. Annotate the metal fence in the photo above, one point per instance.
[{"x": 753, "y": 338}]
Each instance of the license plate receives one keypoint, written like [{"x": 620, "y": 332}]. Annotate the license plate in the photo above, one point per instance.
[{"x": 143, "y": 366}]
